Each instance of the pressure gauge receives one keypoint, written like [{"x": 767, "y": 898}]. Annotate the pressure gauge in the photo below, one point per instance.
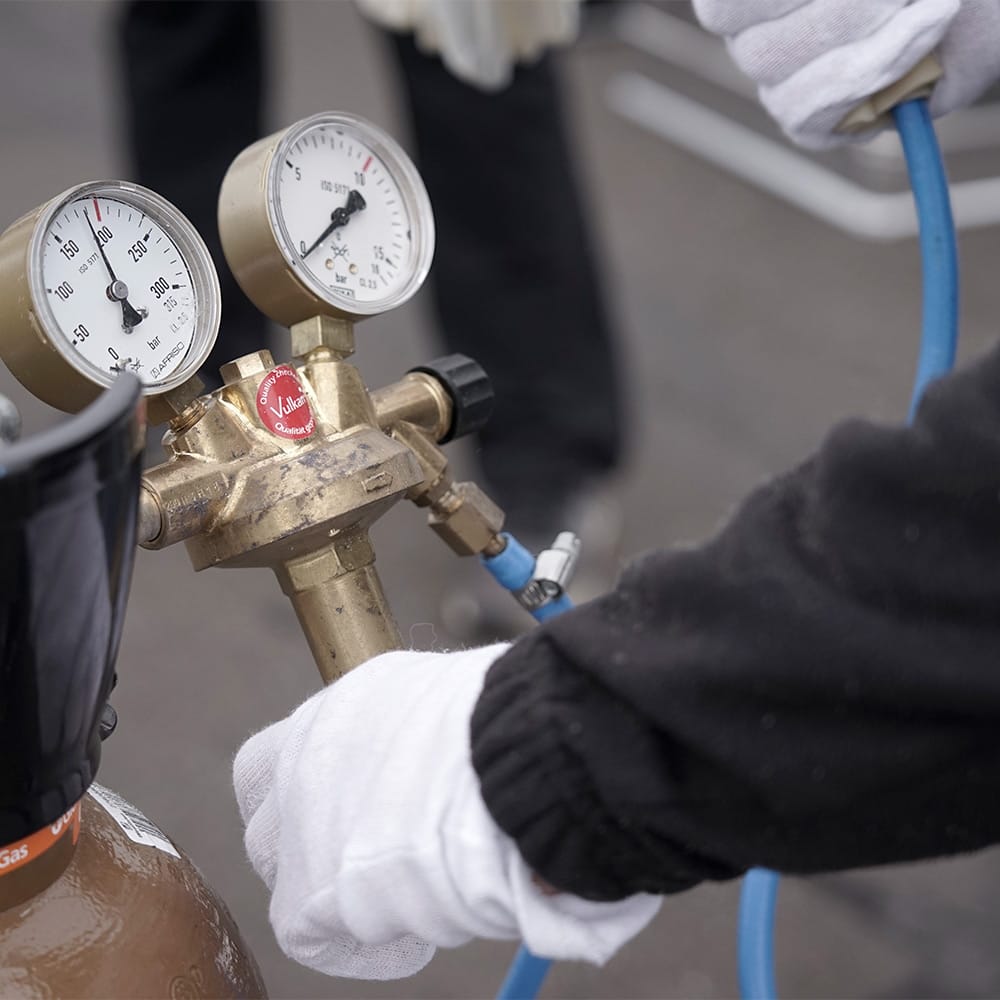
[
  {"x": 105, "y": 278},
  {"x": 328, "y": 217}
]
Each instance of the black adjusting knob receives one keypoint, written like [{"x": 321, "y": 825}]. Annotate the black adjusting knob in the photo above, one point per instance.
[{"x": 470, "y": 389}]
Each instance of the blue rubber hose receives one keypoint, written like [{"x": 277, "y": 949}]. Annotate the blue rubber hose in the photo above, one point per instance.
[
  {"x": 758, "y": 899},
  {"x": 938, "y": 343},
  {"x": 938, "y": 245},
  {"x": 939, "y": 340},
  {"x": 524, "y": 977},
  {"x": 513, "y": 569}
]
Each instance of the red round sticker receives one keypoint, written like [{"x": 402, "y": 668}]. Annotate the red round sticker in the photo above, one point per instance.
[{"x": 282, "y": 405}]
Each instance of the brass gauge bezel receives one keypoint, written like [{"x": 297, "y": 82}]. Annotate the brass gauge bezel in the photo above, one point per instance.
[
  {"x": 33, "y": 345},
  {"x": 259, "y": 250}
]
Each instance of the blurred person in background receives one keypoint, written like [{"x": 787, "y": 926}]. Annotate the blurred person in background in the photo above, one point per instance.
[
  {"x": 514, "y": 277},
  {"x": 815, "y": 688}
]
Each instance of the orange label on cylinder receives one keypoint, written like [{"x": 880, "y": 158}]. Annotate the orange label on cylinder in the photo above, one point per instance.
[
  {"x": 282, "y": 404},
  {"x": 13, "y": 856}
]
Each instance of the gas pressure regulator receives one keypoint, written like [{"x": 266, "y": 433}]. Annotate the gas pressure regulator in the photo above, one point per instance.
[{"x": 286, "y": 465}]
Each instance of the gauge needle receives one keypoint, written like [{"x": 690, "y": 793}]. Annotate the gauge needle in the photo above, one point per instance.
[
  {"x": 117, "y": 291},
  {"x": 339, "y": 217}
]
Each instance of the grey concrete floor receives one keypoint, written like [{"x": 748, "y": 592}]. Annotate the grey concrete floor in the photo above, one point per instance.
[{"x": 747, "y": 329}]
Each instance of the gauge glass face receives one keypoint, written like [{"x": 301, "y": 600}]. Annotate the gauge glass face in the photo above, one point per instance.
[
  {"x": 126, "y": 287},
  {"x": 351, "y": 213}
]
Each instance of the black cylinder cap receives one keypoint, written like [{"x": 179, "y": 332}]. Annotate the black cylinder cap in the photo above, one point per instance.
[
  {"x": 68, "y": 509},
  {"x": 470, "y": 390}
]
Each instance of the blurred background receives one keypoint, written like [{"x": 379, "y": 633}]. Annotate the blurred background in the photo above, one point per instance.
[{"x": 755, "y": 295}]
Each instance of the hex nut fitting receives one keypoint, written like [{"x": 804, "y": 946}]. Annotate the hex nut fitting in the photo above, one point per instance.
[
  {"x": 170, "y": 406},
  {"x": 336, "y": 335},
  {"x": 466, "y": 519},
  {"x": 246, "y": 367}
]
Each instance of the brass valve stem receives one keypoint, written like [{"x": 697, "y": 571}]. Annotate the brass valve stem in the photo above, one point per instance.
[
  {"x": 418, "y": 411},
  {"x": 461, "y": 514},
  {"x": 417, "y": 399},
  {"x": 181, "y": 408},
  {"x": 340, "y": 604}
]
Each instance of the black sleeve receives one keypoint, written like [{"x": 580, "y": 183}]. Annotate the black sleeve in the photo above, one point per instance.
[{"x": 816, "y": 688}]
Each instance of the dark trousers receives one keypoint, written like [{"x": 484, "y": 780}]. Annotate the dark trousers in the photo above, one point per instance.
[{"x": 514, "y": 279}]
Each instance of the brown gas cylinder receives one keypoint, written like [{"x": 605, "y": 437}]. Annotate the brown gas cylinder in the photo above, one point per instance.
[
  {"x": 122, "y": 913},
  {"x": 94, "y": 900}
]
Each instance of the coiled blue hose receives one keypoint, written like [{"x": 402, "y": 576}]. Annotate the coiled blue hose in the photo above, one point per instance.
[
  {"x": 938, "y": 343},
  {"x": 939, "y": 340}
]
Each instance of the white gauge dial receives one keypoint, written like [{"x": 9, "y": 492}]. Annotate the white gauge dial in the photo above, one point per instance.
[
  {"x": 122, "y": 282},
  {"x": 350, "y": 213}
]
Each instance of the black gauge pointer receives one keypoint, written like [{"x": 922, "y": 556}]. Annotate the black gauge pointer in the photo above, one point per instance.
[
  {"x": 339, "y": 217},
  {"x": 117, "y": 291}
]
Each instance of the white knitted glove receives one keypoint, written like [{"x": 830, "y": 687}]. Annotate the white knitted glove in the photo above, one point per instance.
[
  {"x": 481, "y": 40},
  {"x": 364, "y": 817},
  {"x": 815, "y": 60}
]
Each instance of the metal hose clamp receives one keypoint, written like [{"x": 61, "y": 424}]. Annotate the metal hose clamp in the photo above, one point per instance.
[{"x": 554, "y": 569}]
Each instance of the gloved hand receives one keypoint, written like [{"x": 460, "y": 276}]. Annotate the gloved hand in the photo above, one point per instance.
[
  {"x": 480, "y": 40},
  {"x": 814, "y": 60},
  {"x": 363, "y": 816}
]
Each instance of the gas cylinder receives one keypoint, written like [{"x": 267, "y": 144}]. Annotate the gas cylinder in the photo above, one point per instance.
[
  {"x": 95, "y": 901},
  {"x": 128, "y": 915}
]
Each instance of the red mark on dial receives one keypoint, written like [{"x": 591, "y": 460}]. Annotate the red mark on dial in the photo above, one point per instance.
[
  {"x": 97, "y": 209},
  {"x": 368, "y": 163}
]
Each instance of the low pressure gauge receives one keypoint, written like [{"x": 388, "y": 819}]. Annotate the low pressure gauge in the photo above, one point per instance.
[
  {"x": 105, "y": 278},
  {"x": 328, "y": 217}
]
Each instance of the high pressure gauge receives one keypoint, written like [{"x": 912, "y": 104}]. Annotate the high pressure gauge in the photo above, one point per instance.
[
  {"x": 105, "y": 278},
  {"x": 328, "y": 217}
]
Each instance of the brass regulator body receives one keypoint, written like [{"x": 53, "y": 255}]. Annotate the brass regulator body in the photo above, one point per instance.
[{"x": 288, "y": 467}]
